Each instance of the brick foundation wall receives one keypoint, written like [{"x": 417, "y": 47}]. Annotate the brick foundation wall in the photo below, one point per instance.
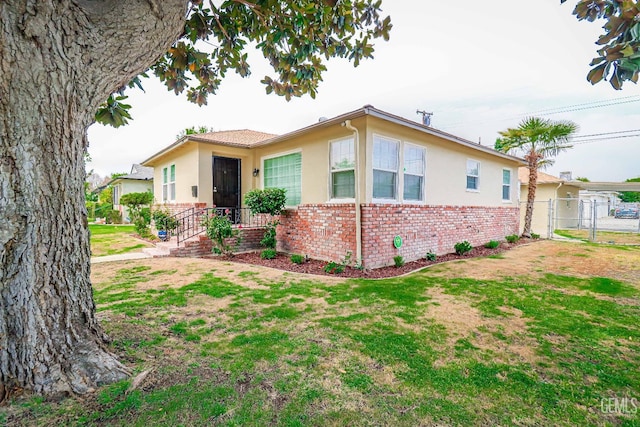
[
  {"x": 323, "y": 231},
  {"x": 175, "y": 208},
  {"x": 430, "y": 228},
  {"x": 203, "y": 246}
]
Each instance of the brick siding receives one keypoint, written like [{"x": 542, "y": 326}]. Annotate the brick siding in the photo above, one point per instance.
[
  {"x": 430, "y": 228},
  {"x": 327, "y": 231},
  {"x": 175, "y": 208},
  {"x": 202, "y": 246}
]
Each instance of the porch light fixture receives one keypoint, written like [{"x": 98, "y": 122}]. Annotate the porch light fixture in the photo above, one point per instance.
[{"x": 256, "y": 171}]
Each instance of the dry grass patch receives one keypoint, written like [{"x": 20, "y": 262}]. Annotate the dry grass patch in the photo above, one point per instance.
[{"x": 553, "y": 257}]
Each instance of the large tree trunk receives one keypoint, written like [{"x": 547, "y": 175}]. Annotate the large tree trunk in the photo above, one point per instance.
[{"x": 59, "y": 59}]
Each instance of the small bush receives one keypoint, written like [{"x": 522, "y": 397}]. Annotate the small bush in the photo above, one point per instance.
[
  {"x": 535, "y": 236},
  {"x": 512, "y": 238},
  {"x": 142, "y": 227},
  {"x": 164, "y": 220},
  {"x": 269, "y": 239},
  {"x": 430, "y": 256},
  {"x": 297, "y": 259},
  {"x": 268, "y": 254},
  {"x": 462, "y": 247},
  {"x": 219, "y": 229},
  {"x": 492, "y": 244},
  {"x": 398, "y": 260},
  {"x": 334, "y": 268}
]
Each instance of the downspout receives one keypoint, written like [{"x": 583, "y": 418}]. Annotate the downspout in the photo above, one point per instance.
[{"x": 347, "y": 124}]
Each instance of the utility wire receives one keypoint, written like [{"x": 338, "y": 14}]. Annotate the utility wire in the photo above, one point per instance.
[
  {"x": 557, "y": 110},
  {"x": 587, "y": 141},
  {"x": 606, "y": 133}
]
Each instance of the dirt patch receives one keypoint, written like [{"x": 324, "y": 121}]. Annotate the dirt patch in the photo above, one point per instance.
[{"x": 504, "y": 338}]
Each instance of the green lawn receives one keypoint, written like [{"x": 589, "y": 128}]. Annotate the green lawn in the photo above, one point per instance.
[
  {"x": 114, "y": 239},
  {"x": 611, "y": 237},
  {"x": 496, "y": 341}
]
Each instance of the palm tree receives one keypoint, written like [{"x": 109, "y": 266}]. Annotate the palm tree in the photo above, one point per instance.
[{"x": 538, "y": 141}]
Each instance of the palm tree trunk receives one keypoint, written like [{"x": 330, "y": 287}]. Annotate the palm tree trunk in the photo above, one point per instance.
[{"x": 532, "y": 160}]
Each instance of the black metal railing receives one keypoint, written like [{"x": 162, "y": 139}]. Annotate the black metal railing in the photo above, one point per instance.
[{"x": 190, "y": 221}]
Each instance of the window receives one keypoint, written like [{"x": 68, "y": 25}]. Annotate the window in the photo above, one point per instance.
[
  {"x": 343, "y": 161},
  {"x": 413, "y": 172},
  {"x": 285, "y": 172},
  {"x": 473, "y": 175},
  {"x": 506, "y": 184},
  {"x": 169, "y": 183},
  {"x": 385, "y": 167},
  {"x": 115, "y": 192}
]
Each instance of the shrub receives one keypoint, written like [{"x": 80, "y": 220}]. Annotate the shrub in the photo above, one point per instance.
[
  {"x": 492, "y": 244},
  {"x": 535, "y": 236},
  {"x": 462, "y": 247},
  {"x": 113, "y": 217},
  {"x": 334, "y": 268},
  {"x": 268, "y": 254},
  {"x": 268, "y": 201},
  {"x": 398, "y": 260},
  {"x": 142, "y": 227},
  {"x": 269, "y": 239},
  {"x": 140, "y": 216},
  {"x": 512, "y": 238},
  {"x": 297, "y": 259},
  {"x": 164, "y": 220},
  {"x": 219, "y": 229},
  {"x": 430, "y": 256}
]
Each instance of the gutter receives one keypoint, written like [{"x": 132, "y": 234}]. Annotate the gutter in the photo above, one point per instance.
[{"x": 347, "y": 124}]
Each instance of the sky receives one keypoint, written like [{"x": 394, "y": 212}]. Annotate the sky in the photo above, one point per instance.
[{"x": 480, "y": 67}]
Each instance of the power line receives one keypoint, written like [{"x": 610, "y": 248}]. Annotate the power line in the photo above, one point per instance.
[
  {"x": 558, "y": 110},
  {"x": 587, "y": 141},
  {"x": 585, "y": 104},
  {"x": 606, "y": 133}
]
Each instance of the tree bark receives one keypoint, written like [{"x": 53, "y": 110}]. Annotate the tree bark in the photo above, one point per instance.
[
  {"x": 59, "y": 59},
  {"x": 532, "y": 159}
]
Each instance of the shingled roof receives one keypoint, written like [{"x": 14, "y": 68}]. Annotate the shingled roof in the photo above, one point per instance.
[
  {"x": 241, "y": 137},
  {"x": 543, "y": 178}
]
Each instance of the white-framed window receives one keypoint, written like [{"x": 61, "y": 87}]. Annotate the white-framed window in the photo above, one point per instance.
[
  {"x": 284, "y": 171},
  {"x": 169, "y": 183},
  {"x": 506, "y": 184},
  {"x": 473, "y": 175},
  {"x": 343, "y": 163},
  {"x": 115, "y": 192},
  {"x": 385, "y": 167},
  {"x": 414, "y": 168}
]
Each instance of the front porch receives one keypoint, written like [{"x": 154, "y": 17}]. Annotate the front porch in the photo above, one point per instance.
[{"x": 189, "y": 238}]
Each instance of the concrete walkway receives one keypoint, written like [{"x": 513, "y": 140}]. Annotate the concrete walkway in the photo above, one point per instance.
[{"x": 119, "y": 257}]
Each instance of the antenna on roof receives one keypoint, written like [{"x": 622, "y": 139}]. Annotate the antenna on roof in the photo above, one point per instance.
[{"x": 426, "y": 117}]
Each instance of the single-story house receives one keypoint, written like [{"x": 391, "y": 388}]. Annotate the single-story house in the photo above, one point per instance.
[
  {"x": 139, "y": 180},
  {"x": 366, "y": 182},
  {"x": 557, "y": 203}
]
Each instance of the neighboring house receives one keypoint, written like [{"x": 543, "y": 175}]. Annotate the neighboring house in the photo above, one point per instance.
[
  {"x": 605, "y": 203},
  {"x": 557, "y": 203},
  {"x": 139, "y": 180},
  {"x": 354, "y": 183}
]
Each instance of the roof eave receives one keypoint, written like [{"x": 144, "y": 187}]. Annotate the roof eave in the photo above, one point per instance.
[{"x": 372, "y": 111}]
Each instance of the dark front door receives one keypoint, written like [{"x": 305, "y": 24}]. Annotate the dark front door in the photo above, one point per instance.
[{"x": 226, "y": 182}]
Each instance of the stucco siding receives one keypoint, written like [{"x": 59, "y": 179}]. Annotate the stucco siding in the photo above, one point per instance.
[{"x": 446, "y": 168}]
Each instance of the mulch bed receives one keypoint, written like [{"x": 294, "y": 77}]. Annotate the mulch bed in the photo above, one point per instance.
[{"x": 312, "y": 266}]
